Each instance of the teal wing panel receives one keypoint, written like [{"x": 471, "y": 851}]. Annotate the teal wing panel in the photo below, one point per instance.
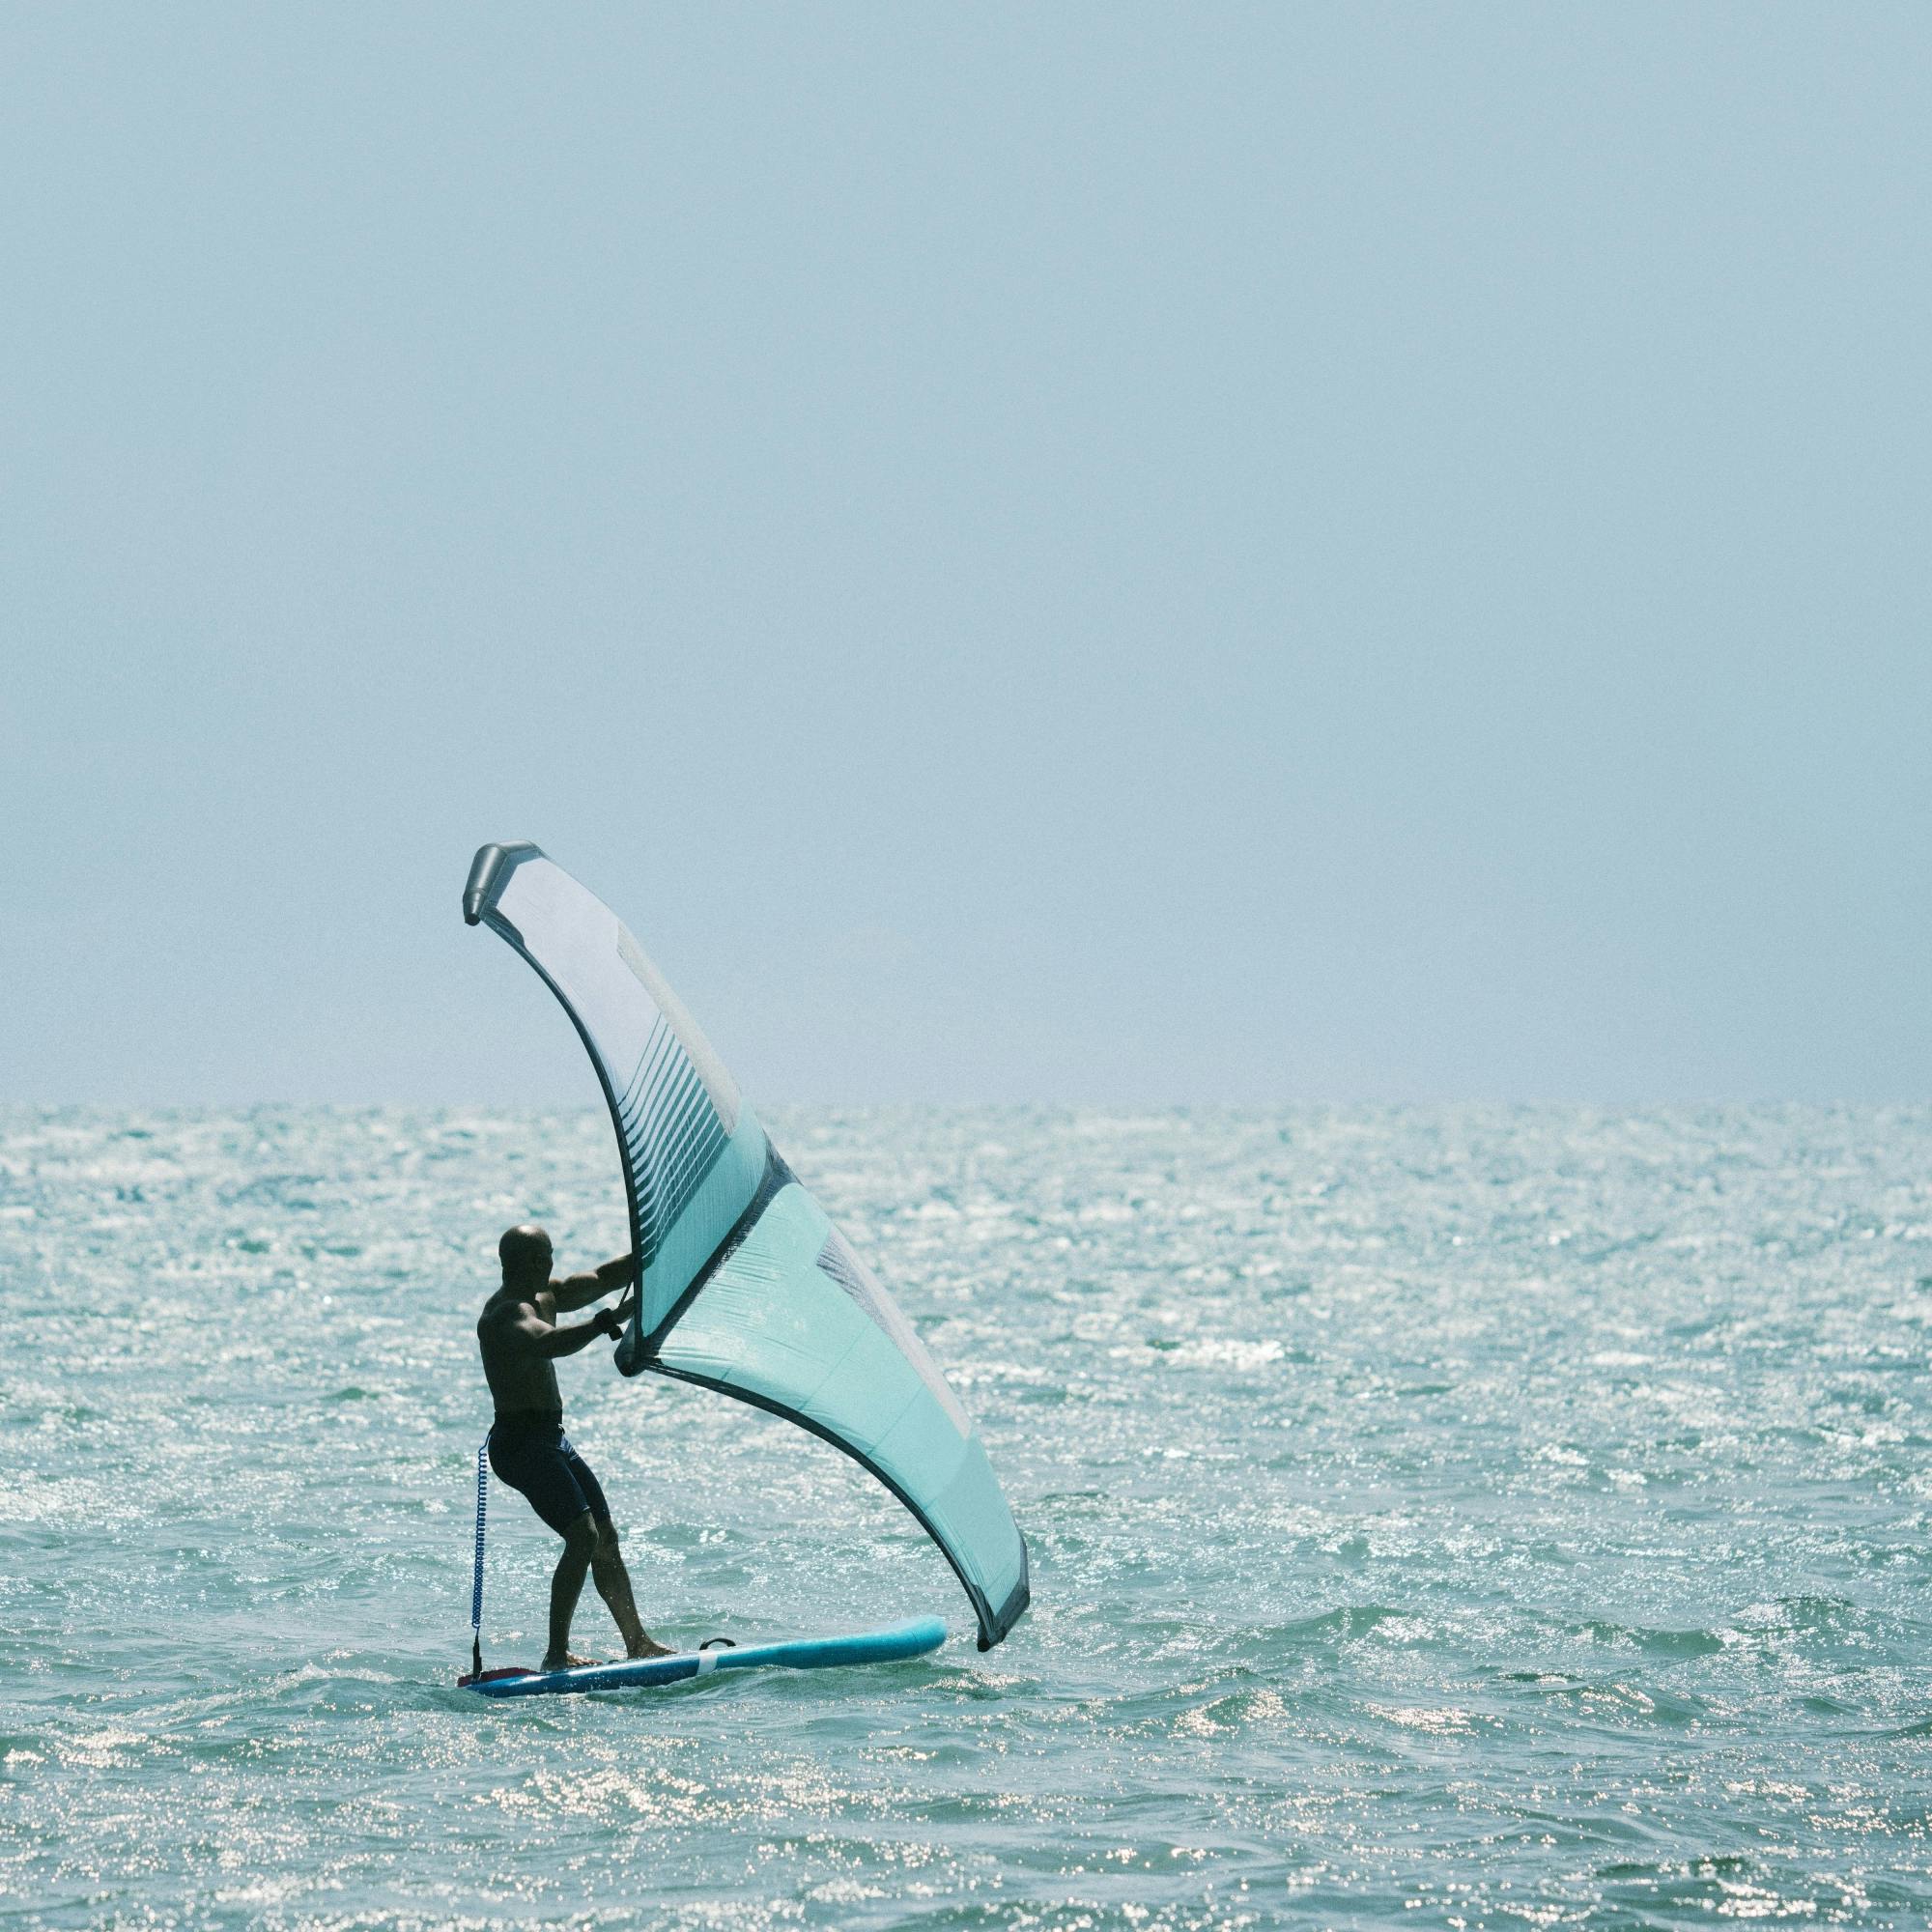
[{"x": 823, "y": 1346}]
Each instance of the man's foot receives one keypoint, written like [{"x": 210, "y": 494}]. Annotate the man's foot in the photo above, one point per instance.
[
  {"x": 567, "y": 1660},
  {"x": 645, "y": 1647}
]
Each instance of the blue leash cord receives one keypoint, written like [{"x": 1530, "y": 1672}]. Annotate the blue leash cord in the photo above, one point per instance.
[{"x": 476, "y": 1585}]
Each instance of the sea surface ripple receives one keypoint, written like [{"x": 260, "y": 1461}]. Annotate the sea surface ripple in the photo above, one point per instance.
[{"x": 1459, "y": 1517}]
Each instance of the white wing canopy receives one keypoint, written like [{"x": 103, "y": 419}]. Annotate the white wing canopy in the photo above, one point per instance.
[{"x": 745, "y": 1287}]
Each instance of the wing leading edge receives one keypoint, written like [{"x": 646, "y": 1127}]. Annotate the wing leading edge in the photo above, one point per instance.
[{"x": 746, "y": 1286}]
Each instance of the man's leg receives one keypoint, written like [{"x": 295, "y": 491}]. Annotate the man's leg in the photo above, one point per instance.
[
  {"x": 579, "y": 1544},
  {"x": 613, "y": 1586}
]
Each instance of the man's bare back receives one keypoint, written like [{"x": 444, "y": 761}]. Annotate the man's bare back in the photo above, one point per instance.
[{"x": 519, "y": 1378}]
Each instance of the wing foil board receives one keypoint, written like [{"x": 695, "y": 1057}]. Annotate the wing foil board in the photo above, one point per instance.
[{"x": 802, "y": 1653}]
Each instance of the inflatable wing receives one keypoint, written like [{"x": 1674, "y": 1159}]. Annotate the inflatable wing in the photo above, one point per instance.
[{"x": 745, "y": 1286}]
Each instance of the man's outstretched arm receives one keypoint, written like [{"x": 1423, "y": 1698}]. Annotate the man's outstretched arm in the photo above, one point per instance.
[
  {"x": 553, "y": 1340},
  {"x": 579, "y": 1290}
]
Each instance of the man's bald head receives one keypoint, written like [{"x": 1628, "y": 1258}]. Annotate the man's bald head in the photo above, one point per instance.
[{"x": 524, "y": 1251}]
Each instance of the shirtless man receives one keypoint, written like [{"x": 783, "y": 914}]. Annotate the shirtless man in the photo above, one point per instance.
[{"x": 521, "y": 1339}]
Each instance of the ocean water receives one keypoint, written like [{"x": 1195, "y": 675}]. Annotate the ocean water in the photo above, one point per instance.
[{"x": 1473, "y": 1518}]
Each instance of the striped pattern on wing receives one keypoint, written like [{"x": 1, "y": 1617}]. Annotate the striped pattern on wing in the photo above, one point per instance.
[{"x": 671, "y": 1135}]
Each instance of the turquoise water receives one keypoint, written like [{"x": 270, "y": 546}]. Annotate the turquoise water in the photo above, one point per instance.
[{"x": 1463, "y": 1518}]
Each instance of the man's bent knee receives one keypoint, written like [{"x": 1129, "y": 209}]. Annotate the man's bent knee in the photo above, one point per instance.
[
  {"x": 607, "y": 1539},
  {"x": 580, "y": 1536}
]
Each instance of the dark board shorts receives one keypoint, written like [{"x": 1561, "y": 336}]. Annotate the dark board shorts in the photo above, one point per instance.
[{"x": 532, "y": 1454}]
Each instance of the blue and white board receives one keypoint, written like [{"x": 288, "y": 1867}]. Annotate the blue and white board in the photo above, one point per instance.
[{"x": 801, "y": 1653}]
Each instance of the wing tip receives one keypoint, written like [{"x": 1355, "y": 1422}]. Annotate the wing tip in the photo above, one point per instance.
[
  {"x": 488, "y": 872},
  {"x": 996, "y": 1625}
]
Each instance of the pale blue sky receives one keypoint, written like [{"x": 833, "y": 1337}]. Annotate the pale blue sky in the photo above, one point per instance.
[{"x": 1095, "y": 553}]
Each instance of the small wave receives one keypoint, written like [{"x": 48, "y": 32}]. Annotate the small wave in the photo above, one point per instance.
[
  {"x": 1651, "y": 1642},
  {"x": 1347, "y": 1624}
]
